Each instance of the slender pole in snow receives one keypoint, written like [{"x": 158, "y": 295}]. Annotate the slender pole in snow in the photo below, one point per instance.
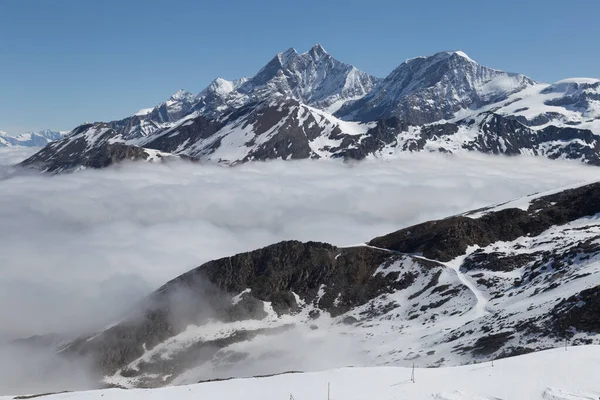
[
  {"x": 412, "y": 375},
  {"x": 328, "y": 390}
]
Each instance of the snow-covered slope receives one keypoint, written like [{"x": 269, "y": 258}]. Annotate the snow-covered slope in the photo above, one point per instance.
[
  {"x": 548, "y": 375},
  {"x": 311, "y": 105},
  {"x": 567, "y": 103},
  {"x": 30, "y": 139}
]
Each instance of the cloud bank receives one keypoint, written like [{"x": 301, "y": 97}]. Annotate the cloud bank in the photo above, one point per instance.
[{"x": 78, "y": 248}]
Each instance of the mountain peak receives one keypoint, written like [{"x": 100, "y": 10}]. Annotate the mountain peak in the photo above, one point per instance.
[
  {"x": 287, "y": 55},
  {"x": 417, "y": 90},
  {"x": 317, "y": 51},
  {"x": 221, "y": 86},
  {"x": 463, "y": 55},
  {"x": 180, "y": 95},
  {"x": 442, "y": 56}
]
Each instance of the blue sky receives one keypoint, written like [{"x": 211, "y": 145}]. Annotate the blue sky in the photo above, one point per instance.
[{"x": 64, "y": 62}]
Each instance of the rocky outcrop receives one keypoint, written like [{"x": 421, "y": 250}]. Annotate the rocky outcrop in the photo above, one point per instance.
[
  {"x": 448, "y": 238},
  {"x": 278, "y": 275},
  {"x": 578, "y": 313}
]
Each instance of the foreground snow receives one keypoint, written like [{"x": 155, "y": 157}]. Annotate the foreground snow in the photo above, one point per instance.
[{"x": 549, "y": 375}]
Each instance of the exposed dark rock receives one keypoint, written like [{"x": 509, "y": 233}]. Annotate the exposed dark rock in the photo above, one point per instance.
[
  {"x": 487, "y": 345},
  {"x": 580, "y": 312},
  {"x": 497, "y": 262},
  {"x": 448, "y": 238},
  {"x": 272, "y": 274}
]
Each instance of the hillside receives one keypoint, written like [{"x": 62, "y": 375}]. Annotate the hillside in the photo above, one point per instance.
[{"x": 498, "y": 282}]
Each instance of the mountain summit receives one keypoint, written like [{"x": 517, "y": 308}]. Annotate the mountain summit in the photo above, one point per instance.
[
  {"x": 428, "y": 89},
  {"x": 314, "y": 78}
]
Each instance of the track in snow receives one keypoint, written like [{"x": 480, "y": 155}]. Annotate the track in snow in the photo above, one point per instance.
[{"x": 481, "y": 307}]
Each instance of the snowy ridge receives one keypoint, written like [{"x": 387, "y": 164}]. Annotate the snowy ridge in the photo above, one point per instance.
[{"x": 522, "y": 203}]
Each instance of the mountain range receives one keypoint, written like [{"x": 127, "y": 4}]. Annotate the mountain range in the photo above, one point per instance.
[
  {"x": 30, "y": 139},
  {"x": 310, "y": 105},
  {"x": 502, "y": 281}
]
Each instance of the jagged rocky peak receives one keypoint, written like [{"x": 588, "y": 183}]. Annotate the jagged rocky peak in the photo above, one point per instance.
[
  {"x": 285, "y": 56},
  {"x": 314, "y": 78},
  {"x": 316, "y": 53},
  {"x": 181, "y": 95},
  {"x": 427, "y": 89},
  {"x": 222, "y": 86}
]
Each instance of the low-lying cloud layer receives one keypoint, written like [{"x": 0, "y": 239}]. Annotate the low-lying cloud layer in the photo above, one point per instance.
[{"x": 77, "y": 249}]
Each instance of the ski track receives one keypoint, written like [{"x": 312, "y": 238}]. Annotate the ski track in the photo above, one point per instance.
[{"x": 481, "y": 308}]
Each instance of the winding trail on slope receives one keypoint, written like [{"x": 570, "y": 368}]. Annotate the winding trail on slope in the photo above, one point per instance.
[{"x": 481, "y": 306}]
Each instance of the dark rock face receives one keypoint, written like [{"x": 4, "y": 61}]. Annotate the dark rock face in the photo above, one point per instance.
[
  {"x": 487, "y": 345},
  {"x": 448, "y": 238},
  {"x": 195, "y": 129},
  {"x": 496, "y": 261},
  {"x": 355, "y": 147},
  {"x": 580, "y": 312},
  {"x": 273, "y": 274},
  {"x": 289, "y": 136}
]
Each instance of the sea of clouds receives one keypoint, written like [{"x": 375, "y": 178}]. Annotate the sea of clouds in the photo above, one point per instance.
[{"x": 77, "y": 249}]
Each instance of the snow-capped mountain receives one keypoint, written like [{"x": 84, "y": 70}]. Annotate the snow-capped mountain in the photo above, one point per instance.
[
  {"x": 30, "y": 139},
  {"x": 428, "y": 89},
  {"x": 313, "y": 78},
  {"x": 510, "y": 279},
  {"x": 311, "y": 105}
]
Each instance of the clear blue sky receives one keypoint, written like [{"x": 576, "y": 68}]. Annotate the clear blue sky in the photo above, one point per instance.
[{"x": 63, "y": 62}]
